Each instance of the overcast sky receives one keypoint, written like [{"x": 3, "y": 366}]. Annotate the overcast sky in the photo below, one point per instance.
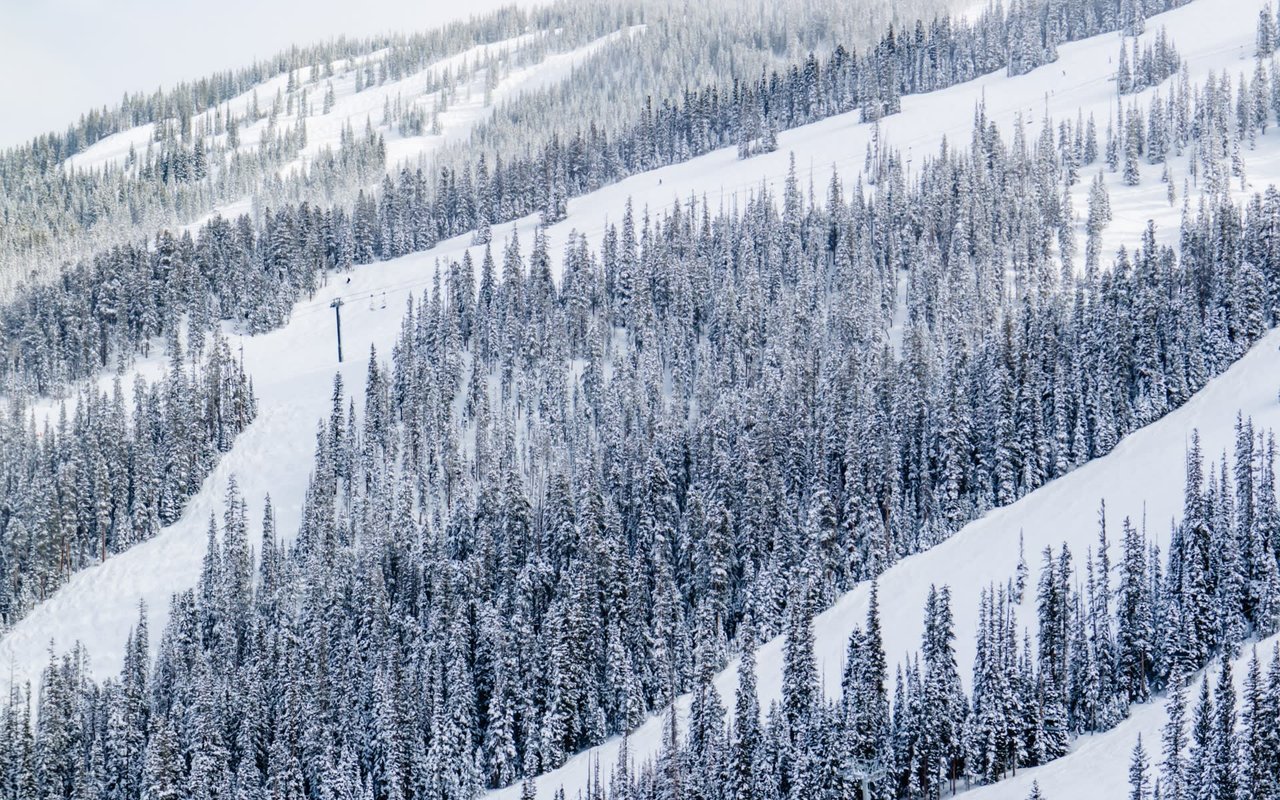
[{"x": 58, "y": 58}]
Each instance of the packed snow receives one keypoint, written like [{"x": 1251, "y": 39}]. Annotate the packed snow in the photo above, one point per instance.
[
  {"x": 113, "y": 149},
  {"x": 1098, "y": 764}
]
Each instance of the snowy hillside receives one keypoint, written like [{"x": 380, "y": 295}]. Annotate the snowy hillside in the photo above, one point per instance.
[
  {"x": 251, "y": 140},
  {"x": 1140, "y": 480},
  {"x": 416, "y": 116},
  {"x": 472, "y": 83},
  {"x": 293, "y": 367}
]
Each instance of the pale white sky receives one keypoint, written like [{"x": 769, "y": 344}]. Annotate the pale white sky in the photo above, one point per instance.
[{"x": 59, "y": 58}]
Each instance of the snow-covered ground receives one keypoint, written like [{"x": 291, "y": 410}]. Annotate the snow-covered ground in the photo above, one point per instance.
[
  {"x": 1141, "y": 478},
  {"x": 355, "y": 108},
  {"x": 456, "y": 123},
  {"x": 113, "y": 149},
  {"x": 464, "y": 76},
  {"x": 293, "y": 367},
  {"x": 1098, "y": 766},
  {"x": 469, "y": 105},
  {"x": 230, "y": 210}
]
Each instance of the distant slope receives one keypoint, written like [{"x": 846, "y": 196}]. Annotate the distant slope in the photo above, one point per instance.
[{"x": 468, "y": 70}]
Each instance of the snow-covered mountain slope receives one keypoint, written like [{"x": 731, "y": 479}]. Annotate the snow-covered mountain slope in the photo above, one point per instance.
[
  {"x": 416, "y": 116},
  {"x": 1098, "y": 766},
  {"x": 293, "y": 367},
  {"x": 1141, "y": 479},
  {"x": 461, "y": 98}
]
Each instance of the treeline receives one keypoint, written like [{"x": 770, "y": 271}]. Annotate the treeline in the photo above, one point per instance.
[
  {"x": 1230, "y": 748},
  {"x": 110, "y": 471},
  {"x": 699, "y": 423},
  {"x": 1151, "y": 65},
  {"x": 57, "y": 213},
  {"x": 649, "y": 503}
]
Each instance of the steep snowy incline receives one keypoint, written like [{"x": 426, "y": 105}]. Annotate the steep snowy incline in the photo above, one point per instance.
[
  {"x": 461, "y": 114},
  {"x": 1141, "y": 479},
  {"x": 466, "y": 100},
  {"x": 464, "y": 73},
  {"x": 293, "y": 369},
  {"x": 350, "y": 105},
  {"x": 1098, "y": 766}
]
